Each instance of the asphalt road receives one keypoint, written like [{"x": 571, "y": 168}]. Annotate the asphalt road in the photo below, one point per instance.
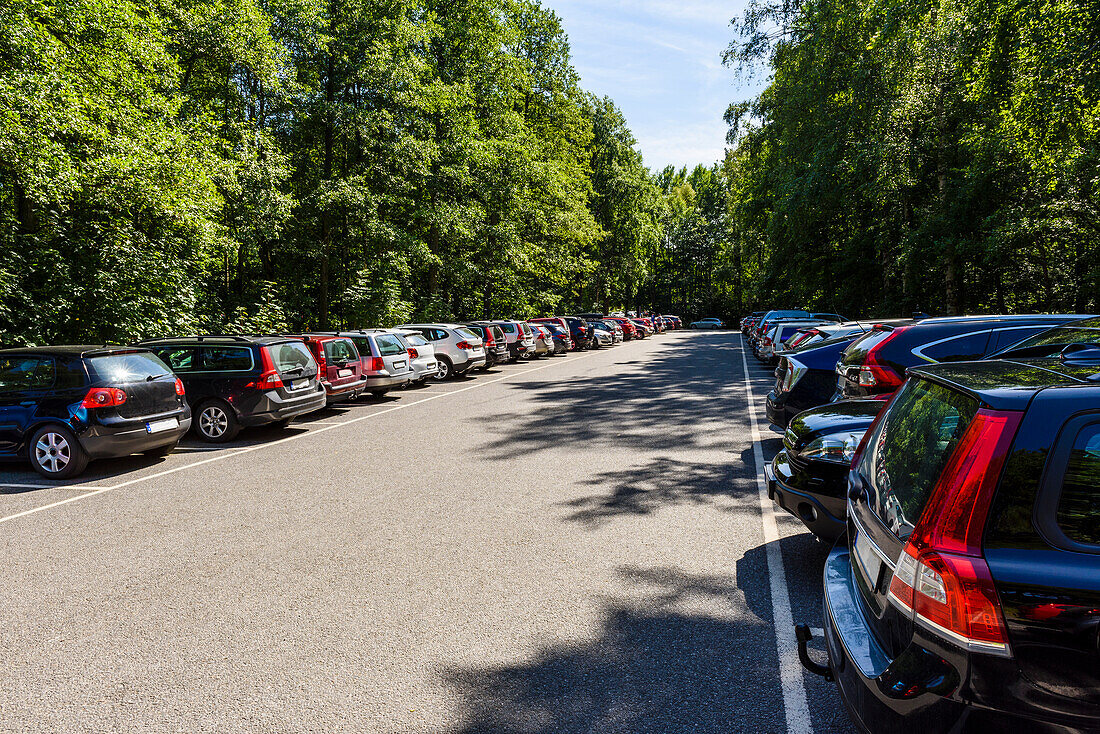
[{"x": 571, "y": 545}]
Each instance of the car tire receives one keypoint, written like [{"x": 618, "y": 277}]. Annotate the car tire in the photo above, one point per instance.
[
  {"x": 55, "y": 453},
  {"x": 216, "y": 422},
  {"x": 444, "y": 370},
  {"x": 161, "y": 451}
]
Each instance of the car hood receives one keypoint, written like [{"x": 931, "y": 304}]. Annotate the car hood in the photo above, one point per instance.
[{"x": 843, "y": 415}]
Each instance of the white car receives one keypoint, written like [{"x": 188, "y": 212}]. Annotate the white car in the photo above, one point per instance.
[
  {"x": 707, "y": 324},
  {"x": 421, "y": 354},
  {"x": 458, "y": 349}
]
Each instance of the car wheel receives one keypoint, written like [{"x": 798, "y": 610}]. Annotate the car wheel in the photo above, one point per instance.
[
  {"x": 216, "y": 422},
  {"x": 161, "y": 450},
  {"x": 443, "y": 369},
  {"x": 56, "y": 454}
]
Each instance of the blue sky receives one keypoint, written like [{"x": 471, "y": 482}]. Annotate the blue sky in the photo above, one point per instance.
[{"x": 660, "y": 60}]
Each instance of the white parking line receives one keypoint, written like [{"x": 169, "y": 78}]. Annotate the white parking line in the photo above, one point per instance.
[
  {"x": 257, "y": 447},
  {"x": 790, "y": 669}
]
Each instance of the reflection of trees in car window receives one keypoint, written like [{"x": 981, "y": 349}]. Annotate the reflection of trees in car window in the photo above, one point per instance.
[
  {"x": 1079, "y": 506},
  {"x": 22, "y": 373}
]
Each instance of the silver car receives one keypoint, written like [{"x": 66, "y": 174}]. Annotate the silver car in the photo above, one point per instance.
[
  {"x": 385, "y": 359},
  {"x": 421, "y": 354},
  {"x": 457, "y": 348},
  {"x": 543, "y": 340}
]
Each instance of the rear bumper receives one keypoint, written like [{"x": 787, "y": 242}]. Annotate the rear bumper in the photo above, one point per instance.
[
  {"x": 423, "y": 368},
  {"x": 275, "y": 408},
  {"x": 131, "y": 437},
  {"x": 777, "y": 410},
  {"x": 343, "y": 392},
  {"x": 824, "y": 515},
  {"x": 470, "y": 363},
  {"x": 378, "y": 382}
]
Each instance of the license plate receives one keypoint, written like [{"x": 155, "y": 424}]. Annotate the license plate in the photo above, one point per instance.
[
  {"x": 299, "y": 384},
  {"x": 343, "y": 373},
  {"x": 477, "y": 350},
  {"x": 867, "y": 559},
  {"x": 165, "y": 425},
  {"x": 399, "y": 365}
]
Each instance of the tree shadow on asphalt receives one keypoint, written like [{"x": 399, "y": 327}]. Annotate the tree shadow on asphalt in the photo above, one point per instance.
[
  {"x": 657, "y": 666},
  {"x": 663, "y": 482},
  {"x": 660, "y": 407}
]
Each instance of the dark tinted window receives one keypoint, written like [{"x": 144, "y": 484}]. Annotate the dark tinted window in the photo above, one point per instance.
[
  {"x": 180, "y": 359},
  {"x": 1079, "y": 507},
  {"x": 1050, "y": 342},
  {"x": 25, "y": 373},
  {"x": 1001, "y": 338},
  {"x": 956, "y": 349},
  {"x": 128, "y": 367},
  {"x": 437, "y": 335},
  {"x": 508, "y": 328},
  {"x": 389, "y": 345},
  {"x": 362, "y": 343},
  {"x": 909, "y": 449},
  {"x": 70, "y": 373},
  {"x": 857, "y": 350},
  {"x": 226, "y": 359}
]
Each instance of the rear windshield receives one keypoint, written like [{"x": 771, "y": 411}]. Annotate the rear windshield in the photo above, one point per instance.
[
  {"x": 416, "y": 340},
  {"x": 857, "y": 350},
  {"x": 340, "y": 350},
  {"x": 129, "y": 367},
  {"x": 389, "y": 345},
  {"x": 466, "y": 333},
  {"x": 554, "y": 328},
  {"x": 526, "y": 329},
  {"x": 508, "y": 328},
  {"x": 909, "y": 449},
  {"x": 291, "y": 356}
]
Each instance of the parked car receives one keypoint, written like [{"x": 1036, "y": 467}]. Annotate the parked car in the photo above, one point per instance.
[
  {"x": 615, "y": 328},
  {"x": 457, "y": 349},
  {"x": 630, "y": 331},
  {"x": 62, "y": 406},
  {"x": 518, "y": 335},
  {"x": 604, "y": 336},
  {"x": 677, "y": 322},
  {"x": 542, "y": 340},
  {"x": 966, "y": 596},
  {"x": 776, "y": 338},
  {"x": 875, "y": 363},
  {"x": 494, "y": 342},
  {"x": 338, "y": 363},
  {"x": 562, "y": 341},
  {"x": 767, "y": 321},
  {"x": 235, "y": 382},
  {"x": 643, "y": 329},
  {"x": 708, "y": 323},
  {"x": 384, "y": 358},
  {"x": 1052, "y": 342},
  {"x": 421, "y": 355},
  {"x": 747, "y": 322},
  {"x": 581, "y": 333}
]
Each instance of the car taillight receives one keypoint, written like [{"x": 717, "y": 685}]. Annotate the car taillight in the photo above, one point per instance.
[
  {"x": 269, "y": 379},
  {"x": 413, "y": 354},
  {"x": 941, "y": 578},
  {"x": 179, "y": 387},
  {"x": 104, "y": 397},
  {"x": 463, "y": 345},
  {"x": 377, "y": 364},
  {"x": 874, "y": 373}
]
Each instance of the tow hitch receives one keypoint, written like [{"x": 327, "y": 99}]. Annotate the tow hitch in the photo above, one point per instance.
[{"x": 803, "y": 635}]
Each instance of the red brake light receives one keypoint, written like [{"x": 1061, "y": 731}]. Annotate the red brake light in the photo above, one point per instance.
[
  {"x": 941, "y": 577},
  {"x": 377, "y": 364},
  {"x": 104, "y": 397},
  {"x": 269, "y": 378},
  {"x": 873, "y": 373},
  {"x": 413, "y": 354},
  {"x": 179, "y": 387},
  {"x": 463, "y": 345}
]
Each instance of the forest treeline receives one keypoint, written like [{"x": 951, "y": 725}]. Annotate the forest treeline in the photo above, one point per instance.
[
  {"x": 204, "y": 165},
  {"x": 218, "y": 165}
]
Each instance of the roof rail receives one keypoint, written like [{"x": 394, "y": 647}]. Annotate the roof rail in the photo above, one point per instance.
[{"x": 197, "y": 337}]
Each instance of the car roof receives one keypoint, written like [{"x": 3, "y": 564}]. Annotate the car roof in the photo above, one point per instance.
[
  {"x": 74, "y": 350},
  {"x": 1005, "y": 318},
  {"x": 222, "y": 339},
  {"x": 1010, "y": 384}
]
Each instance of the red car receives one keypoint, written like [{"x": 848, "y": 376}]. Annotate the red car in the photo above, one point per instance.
[
  {"x": 339, "y": 367},
  {"x": 630, "y": 331}
]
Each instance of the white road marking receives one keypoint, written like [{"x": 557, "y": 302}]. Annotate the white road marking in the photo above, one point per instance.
[
  {"x": 790, "y": 669},
  {"x": 257, "y": 447}
]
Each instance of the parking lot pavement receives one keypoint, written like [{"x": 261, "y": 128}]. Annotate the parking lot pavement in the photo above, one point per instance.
[{"x": 570, "y": 545}]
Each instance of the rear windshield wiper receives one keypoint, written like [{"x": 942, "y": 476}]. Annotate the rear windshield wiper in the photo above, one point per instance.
[
  {"x": 294, "y": 370},
  {"x": 150, "y": 378}
]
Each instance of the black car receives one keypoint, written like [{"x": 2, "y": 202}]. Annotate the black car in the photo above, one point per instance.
[
  {"x": 809, "y": 477},
  {"x": 965, "y": 596},
  {"x": 496, "y": 343},
  {"x": 62, "y": 406},
  {"x": 562, "y": 341},
  {"x": 582, "y": 334},
  {"x": 875, "y": 364},
  {"x": 235, "y": 382},
  {"x": 806, "y": 377}
]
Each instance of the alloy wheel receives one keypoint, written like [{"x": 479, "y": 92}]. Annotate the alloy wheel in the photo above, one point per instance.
[
  {"x": 442, "y": 370},
  {"x": 52, "y": 452},
  {"x": 213, "y": 422}
]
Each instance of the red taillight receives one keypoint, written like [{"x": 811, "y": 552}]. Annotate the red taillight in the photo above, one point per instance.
[
  {"x": 179, "y": 387},
  {"x": 874, "y": 373},
  {"x": 941, "y": 577},
  {"x": 463, "y": 345},
  {"x": 269, "y": 378},
  {"x": 377, "y": 364},
  {"x": 413, "y": 354},
  {"x": 104, "y": 397}
]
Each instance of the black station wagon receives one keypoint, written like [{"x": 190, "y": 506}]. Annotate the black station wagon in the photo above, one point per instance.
[
  {"x": 965, "y": 596},
  {"x": 235, "y": 382},
  {"x": 62, "y": 406}
]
